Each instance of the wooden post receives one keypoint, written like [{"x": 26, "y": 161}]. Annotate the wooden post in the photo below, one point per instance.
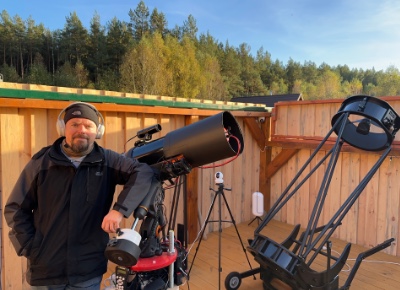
[
  {"x": 192, "y": 196},
  {"x": 264, "y": 183}
]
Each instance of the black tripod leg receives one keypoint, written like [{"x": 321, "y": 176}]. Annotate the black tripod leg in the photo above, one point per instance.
[
  {"x": 256, "y": 218},
  {"x": 219, "y": 238},
  {"x": 237, "y": 232},
  {"x": 202, "y": 231}
]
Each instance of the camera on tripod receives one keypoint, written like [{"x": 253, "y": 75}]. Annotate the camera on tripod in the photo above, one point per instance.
[{"x": 219, "y": 178}]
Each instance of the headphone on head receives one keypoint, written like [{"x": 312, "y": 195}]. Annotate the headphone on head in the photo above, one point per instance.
[{"x": 61, "y": 124}]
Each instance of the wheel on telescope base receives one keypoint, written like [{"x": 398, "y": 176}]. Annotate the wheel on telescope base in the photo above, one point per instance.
[{"x": 233, "y": 281}]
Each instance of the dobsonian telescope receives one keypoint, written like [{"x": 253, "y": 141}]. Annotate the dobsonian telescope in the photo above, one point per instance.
[{"x": 364, "y": 122}]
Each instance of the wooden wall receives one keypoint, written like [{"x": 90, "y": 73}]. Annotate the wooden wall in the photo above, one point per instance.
[
  {"x": 27, "y": 125},
  {"x": 296, "y": 129},
  {"x": 375, "y": 215}
]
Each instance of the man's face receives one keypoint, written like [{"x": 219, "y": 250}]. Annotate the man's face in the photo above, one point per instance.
[{"x": 80, "y": 134}]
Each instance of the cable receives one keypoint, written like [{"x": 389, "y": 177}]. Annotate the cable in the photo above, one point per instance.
[
  {"x": 127, "y": 142},
  {"x": 197, "y": 237},
  {"x": 228, "y": 161}
]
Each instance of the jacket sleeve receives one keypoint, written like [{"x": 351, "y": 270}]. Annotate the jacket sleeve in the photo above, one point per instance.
[
  {"x": 137, "y": 179},
  {"x": 18, "y": 211}
]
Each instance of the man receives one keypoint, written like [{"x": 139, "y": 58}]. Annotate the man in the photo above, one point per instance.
[{"x": 59, "y": 210}]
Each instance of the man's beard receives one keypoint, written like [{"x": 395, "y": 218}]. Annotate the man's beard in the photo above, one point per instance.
[{"x": 80, "y": 146}]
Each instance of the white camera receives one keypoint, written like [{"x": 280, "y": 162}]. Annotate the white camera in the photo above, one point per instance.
[{"x": 219, "y": 178}]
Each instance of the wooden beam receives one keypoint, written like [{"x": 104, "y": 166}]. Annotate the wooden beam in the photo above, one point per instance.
[
  {"x": 312, "y": 143},
  {"x": 192, "y": 190},
  {"x": 264, "y": 183},
  {"x": 256, "y": 131},
  {"x": 279, "y": 161}
]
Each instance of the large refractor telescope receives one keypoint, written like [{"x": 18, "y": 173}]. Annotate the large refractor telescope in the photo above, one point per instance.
[
  {"x": 206, "y": 141},
  {"x": 211, "y": 139}
]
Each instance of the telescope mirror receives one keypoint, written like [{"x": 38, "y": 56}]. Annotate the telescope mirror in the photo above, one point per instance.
[{"x": 371, "y": 123}]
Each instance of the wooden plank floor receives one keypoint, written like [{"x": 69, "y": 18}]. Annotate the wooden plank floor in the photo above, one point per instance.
[{"x": 379, "y": 271}]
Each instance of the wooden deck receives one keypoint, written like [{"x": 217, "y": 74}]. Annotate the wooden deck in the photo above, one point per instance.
[{"x": 379, "y": 271}]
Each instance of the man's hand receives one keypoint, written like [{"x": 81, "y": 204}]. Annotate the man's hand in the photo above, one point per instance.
[{"x": 111, "y": 221}]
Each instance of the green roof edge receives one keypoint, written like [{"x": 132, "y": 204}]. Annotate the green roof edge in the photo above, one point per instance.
[{"x": 45, "y": 95}]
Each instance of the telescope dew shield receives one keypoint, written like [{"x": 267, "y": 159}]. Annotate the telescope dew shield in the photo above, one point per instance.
[
  {"x": 199, "y": 143},
  {"x": 376, "y": 129},
  {"x": 205, "y": 142}
]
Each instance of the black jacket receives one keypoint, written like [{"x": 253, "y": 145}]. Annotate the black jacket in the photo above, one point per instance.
[{"x": 55, "y": 211}]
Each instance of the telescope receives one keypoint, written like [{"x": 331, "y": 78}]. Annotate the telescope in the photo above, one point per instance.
[
  {"x": 211, "y": 139},
  {"x": 364, "y": 122}
]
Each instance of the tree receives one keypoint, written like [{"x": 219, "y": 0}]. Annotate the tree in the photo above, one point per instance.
[
  {"x": 279, "y": 87},
  {"x": 230, "y": 71},
  {"x": 212, "y": 86},
  {"x": 345, "y": 73},
  {"x": 66, "y": 77},
  {"x": 38, "y": 73},
  {"x": 185, "y": 68},
  {"x": 177, "y": 32},
  {"x": 5, "y": 35},
  {"x": 249, "y": 73},
  {"x": 108, "y": 80},
  {"x": 370, "y": 89},
  {"x": 309, "y": 91},
  {"x": 97, "y": 49},
  {"x": 369, "y": 79},
  {"x": 34, "y": 40},
  {"x": 388, "y": 83},
  {"x": 190, "y": 28},
  {"x": 74, "y": 41},
  {"x": 139, "y": 21},
  {"x": 297, "y": 87},
  {"x": 82, "y": 75},
  {"x": 354, "y": 87},
  {"x": 309, "y": 72},
  {"x": 19, "y": 36},
  {"x": 278, "y": 74},
  {"x": 10, "y": 74},
  {"x": 119, "y": 41},
  {"x": 264, "y": 64},
  {"x": 207, "y": 44},
  {"x": 328, "y": 85},
  {"x": 144, "y": 69},
  {"x": 293, "y": 73},
  {"x": 158, "y": 23}
]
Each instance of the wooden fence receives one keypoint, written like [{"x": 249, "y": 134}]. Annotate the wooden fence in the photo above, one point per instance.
[
  {"x": 269, "y": 162},
  {"x": 28, "y": 124}
]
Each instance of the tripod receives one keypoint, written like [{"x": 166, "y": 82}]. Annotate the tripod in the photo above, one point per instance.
[
  {"x": 219, "y": 193},
  {"x": 256, "y": 218}
]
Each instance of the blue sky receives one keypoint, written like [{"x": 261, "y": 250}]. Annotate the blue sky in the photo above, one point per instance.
[{"x": 360, "y": 33}]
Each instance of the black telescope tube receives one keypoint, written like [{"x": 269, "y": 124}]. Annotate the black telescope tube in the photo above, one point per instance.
[
  {"x": 199, "y": 143},
  {"x": 205, "y": 142}
]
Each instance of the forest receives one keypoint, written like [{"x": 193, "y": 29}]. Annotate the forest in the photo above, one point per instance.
[{"x": 145, "y": 56}]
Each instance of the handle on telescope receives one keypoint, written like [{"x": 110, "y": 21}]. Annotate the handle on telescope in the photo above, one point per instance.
[{"x": 144, "y": 207}]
